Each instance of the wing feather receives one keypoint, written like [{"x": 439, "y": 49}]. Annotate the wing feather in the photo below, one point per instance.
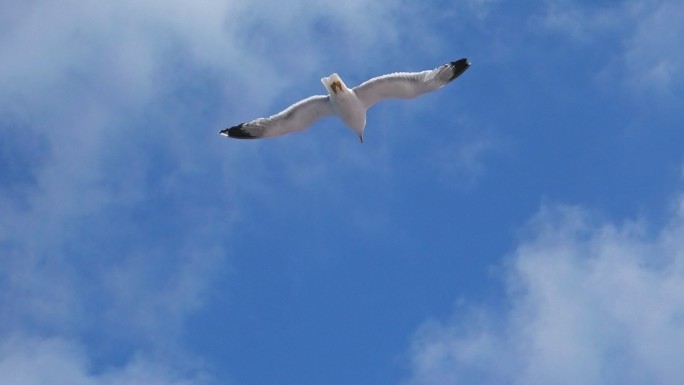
[
  {"x": 297, "y": 117},
  {"x": 407, "y": 85}
]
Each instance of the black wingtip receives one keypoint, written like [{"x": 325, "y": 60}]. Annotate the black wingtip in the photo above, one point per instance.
[
  {"x": 237, "y": 132},
  {"x": 459, "y": 67}
]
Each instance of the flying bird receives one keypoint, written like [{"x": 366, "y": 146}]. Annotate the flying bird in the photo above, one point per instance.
[{"x": 349, "y": 104}]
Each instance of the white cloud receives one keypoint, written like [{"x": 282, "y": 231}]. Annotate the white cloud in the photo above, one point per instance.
[
  {"x": 652, "y": 58},
  {"x": 588, "y": 302},
  {"x": 57, "y": 361},
  {"x": 580, "y": 22},
  {"x": 648, "y": 59},
  {"x": 117, "y": 237}
]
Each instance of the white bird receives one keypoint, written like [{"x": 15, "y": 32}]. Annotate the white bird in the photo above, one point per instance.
[{"x": 349, "y": 104}]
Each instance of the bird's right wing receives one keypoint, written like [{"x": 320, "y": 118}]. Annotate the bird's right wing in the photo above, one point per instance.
[
  {"x": 294, "y": 118},
  {"x": 408, "y": 84}
]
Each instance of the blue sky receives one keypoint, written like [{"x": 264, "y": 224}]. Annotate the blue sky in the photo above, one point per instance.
[{"x": 523, "y": 225}]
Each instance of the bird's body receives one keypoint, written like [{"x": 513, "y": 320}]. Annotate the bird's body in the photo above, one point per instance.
[
  {"x": 346, "y": 104},
  {"x": 349, "y": 104}
]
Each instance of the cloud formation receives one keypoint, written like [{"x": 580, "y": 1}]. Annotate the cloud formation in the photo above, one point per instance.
[
  {"x": 588, "y": 301},
  {"x": 116, "y": 192},
  {"x": 647, "y": 61},
  {"x": 652, "y": 63},
  {"x": 28, "y": 361}
]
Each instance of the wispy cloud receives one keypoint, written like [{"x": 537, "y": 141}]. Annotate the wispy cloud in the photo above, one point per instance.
[
  {"x": 31, "y": 361},
  {"x": 588, "y": 301},
  {"x": 580, "y": 22},
  {"x": 652, "y": 61},
  {"x": 646, "y": 60},
  {"x": 120, "y": 198},
  {"x": 463, "y": 161}
]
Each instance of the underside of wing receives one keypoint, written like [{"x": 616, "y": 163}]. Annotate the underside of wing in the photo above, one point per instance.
[
  {"x": 297, "y": 117},
  {"x": 408, "y": 84}
]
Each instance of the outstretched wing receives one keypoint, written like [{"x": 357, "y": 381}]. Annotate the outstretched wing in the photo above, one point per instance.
[
  {"x": 294, "y": 118},
  {"x": 408, "y": 84}
]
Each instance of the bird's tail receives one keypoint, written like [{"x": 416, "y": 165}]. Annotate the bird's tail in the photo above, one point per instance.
[{"x": 329, "y": 81}]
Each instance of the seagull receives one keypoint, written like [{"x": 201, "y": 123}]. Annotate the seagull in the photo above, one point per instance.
[{"x": 349, "y": 104}]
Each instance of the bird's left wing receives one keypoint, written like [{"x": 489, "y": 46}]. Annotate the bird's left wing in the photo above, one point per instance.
[
  {"x": 294, "y": 118},
  {"x": 408, "y": 84}
]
